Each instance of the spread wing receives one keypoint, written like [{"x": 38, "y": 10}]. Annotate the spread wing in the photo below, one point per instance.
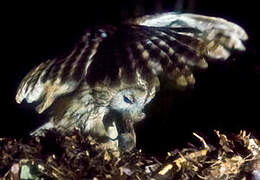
[
  {"x": 60, "y": 76},
  {"x": 165, "y": 44}
]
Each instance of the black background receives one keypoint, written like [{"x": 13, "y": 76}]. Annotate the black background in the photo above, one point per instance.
[{"x": 226, "y": 96}]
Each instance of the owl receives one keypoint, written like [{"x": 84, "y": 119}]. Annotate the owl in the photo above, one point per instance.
[{"x": 102, "y": 86}]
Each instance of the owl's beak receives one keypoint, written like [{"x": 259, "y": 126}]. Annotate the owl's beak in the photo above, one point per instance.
[{"x": 139, "y": 117}]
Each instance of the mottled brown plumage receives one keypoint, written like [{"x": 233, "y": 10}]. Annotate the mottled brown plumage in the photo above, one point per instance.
[{"x": 103, "y": 84}]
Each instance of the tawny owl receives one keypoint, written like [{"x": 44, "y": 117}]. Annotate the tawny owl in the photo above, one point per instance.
[{"x": 103, "y": 84}]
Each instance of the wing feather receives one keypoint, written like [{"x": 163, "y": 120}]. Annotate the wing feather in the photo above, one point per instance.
[
  {"x": 219, "y": 30},
  {"x": 166, "y": 44},
  {"x": 56, "y": 77}
]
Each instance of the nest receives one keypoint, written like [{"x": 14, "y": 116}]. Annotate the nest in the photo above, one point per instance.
[{"x": 55, "y": 156}]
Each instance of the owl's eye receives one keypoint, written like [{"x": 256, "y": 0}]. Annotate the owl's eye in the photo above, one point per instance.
[{"x": 127, "y": 100}]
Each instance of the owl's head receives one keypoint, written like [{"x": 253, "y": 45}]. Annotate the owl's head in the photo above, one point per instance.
[
  {"x": 127, "y": 109},
  {"x": 130, "y": 103}
]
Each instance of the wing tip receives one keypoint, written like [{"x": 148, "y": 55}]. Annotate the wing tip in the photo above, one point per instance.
[
  {"x": 19, "y": 95},
  {"x": 18, "y": 99}
]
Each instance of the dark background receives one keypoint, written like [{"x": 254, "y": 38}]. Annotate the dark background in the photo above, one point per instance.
[{"x": 226, "y": 96}]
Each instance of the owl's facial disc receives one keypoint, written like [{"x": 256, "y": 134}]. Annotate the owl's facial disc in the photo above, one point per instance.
[{"x": 130, "y": 103}]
